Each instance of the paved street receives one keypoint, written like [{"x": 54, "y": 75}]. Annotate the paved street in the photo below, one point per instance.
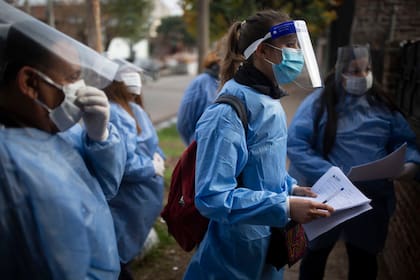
[{"x": 162, "y": 97}]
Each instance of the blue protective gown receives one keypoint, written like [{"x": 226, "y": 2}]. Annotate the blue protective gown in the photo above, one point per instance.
[
  {"x": 54, "y": 219},
  {"x": 365, "y": 133},
  {"x": 197, "y": 97},
  {"x": 140, "y": 196},
  {"x": 237, "y": 239},
  {"x": 108, "y": 172}
]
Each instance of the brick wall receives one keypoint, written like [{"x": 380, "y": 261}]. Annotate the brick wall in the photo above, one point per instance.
[
  {"x": 377, "y": 21},
  {"x": 385, "y": 25}
]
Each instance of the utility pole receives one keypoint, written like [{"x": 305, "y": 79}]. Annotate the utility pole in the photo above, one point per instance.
[
  {"x": 203, "y": 31},
  {"x": 94, "y": 29},
  {"x": 50, "y": 13},
  {"x": 27, "y": 7}
]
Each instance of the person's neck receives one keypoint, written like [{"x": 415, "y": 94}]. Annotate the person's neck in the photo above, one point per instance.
[{"x": 250, "y": 76}]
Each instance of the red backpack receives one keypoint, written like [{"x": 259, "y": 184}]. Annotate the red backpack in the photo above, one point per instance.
[{"x": 184, "y": 222}]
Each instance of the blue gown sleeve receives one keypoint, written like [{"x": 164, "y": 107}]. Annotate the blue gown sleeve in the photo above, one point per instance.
[
  {"x": 300, "y": 148},
  {"x": 198, "y": 95},
  {"x": 221, "y": 155},
  {"x": 138, "y": 166},
  {"x": 401, "y": 132},
  {"x": 290, "y": 182},
  {"x": 107, "y": 160}
]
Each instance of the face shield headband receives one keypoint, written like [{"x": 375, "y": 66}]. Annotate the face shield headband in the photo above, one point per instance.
[{"x": 299, "y": 28}]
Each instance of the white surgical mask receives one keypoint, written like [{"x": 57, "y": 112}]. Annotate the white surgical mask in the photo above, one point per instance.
[
  {"x": 67, "y": 113},
  {"x": 133, "y": 82},
  {"x": 358, "y": 85}
]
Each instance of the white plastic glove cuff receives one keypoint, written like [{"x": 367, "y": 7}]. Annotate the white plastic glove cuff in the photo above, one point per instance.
[{"x": 158, "y": 164}]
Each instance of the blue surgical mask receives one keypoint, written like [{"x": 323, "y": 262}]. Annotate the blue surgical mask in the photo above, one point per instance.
[{"x": 290, "y": 67}]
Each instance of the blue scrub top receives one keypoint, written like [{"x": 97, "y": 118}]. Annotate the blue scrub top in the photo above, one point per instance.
[
  {"x": 237, "y": 239},
  {"x": 140, "y": 197},
  {"x": 54, "y": 219},
  {"x": 198, "y": 96}
]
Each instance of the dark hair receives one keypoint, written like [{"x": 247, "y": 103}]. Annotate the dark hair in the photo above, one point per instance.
[
  {"x": 138, "y": 99},
  {"x": 243, "y": 34},
  {"x": 329, "y": 100},
  {"x": 20, "y": 49},
  {"x": 118, "y": 92}
]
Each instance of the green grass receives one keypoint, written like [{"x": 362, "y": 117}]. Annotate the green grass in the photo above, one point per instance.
[{"x": 172, "y": 146}]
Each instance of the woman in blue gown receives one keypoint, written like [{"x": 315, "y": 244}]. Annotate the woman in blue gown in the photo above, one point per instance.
[
  {"x": 140, "y": 196},
  {"x": 236, "y": 243},
  {"x": 349, "y": 122}
]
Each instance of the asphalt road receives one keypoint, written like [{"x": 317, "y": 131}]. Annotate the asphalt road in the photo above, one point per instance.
[{"x": 162, "y": 97}]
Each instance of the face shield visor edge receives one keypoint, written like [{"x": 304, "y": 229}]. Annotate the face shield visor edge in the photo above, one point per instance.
[{"x": 299, "y": 28}]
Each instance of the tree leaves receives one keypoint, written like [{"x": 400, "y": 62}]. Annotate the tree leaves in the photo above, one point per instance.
[{"x": 318, "y": 14}]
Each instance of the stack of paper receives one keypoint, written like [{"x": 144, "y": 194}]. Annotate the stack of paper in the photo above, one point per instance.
[{"x": 336, "y": 190}]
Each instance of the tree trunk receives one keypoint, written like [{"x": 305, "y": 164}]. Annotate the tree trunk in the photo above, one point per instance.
[
  {"x": 203, "y": 31},
  {"x": 50, "y": 13},
  {"x": 94, "y": 32}
]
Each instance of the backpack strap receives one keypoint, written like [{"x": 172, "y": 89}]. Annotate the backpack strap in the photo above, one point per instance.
[{"x": 238, "y": 105}]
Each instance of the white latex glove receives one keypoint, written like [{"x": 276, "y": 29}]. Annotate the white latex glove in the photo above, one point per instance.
[
  {"x": 95, "y": 107},
  {"x": 158, "y": 164}
]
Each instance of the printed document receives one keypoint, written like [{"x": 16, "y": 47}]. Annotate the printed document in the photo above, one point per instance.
[
  {"x": 336, "y": 190},
  {"x": 386, "y": 167}
]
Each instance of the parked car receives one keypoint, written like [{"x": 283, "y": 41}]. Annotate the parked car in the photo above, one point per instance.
[{"x": 151, "y": 67}]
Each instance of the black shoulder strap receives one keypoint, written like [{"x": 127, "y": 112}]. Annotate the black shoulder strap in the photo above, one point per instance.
[
  {"x": 238, "y": 105},
  {"x": 240, "y": 109}
]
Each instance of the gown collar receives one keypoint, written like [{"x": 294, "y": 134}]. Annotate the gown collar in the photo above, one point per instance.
[{"x": 249, "y": 75}]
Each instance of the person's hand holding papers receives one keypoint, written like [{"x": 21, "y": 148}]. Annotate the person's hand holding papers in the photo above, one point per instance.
[
  {"x": 303, "y": 191},
  {"x": 335, "y": 190},
  {"x": 303, "y": 210}
]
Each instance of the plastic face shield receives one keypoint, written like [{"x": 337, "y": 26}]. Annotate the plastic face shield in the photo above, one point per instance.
[
  {"x": 33, "y": 34},
  {"x": 4, "y": 31},
  {"x": 352, "y": 61},
  {"x": 295, "y": 30}
]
